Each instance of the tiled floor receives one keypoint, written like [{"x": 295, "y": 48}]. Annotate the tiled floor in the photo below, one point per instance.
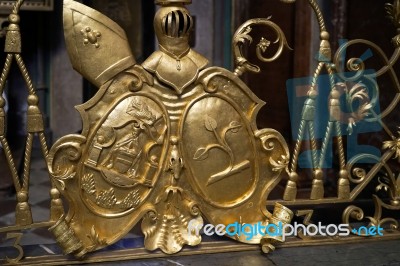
[{"x": 368, "y": 253}]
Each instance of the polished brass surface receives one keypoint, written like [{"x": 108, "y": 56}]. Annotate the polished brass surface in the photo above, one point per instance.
[
  {"x": 97, "y": 35},
  {"x": 173, "y": 141},
  {"x": 155, "y": 153}
]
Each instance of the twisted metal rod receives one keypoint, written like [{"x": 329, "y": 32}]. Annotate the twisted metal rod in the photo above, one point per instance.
[
  {"x": 293, "y": 164},
  {"x": 27, "y": 161},
  {"x": 17, "y": 6},
  {"x": 43, "y": 145},
  {"x": 313, "y": 144},
  {"x": 25, "y": 74},
  {"x": 5, "y": 72},
  {"x": 318, "y": 13},
  {"x": 342, "y": 158},
  {"x": 325, "y": 144},
  {"x": 10, "y": 162}
]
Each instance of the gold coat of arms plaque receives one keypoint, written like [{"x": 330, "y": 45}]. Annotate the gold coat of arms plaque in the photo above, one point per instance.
[{"x": 168, "y": 142}]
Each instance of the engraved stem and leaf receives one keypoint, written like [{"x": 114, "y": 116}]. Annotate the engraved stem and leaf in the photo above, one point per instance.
[{"x": 202, "y": 153}]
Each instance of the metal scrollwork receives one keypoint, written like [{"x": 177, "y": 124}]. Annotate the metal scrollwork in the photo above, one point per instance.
[
  {"x": 387, "y": 224},
  {"x": 242, "y": 35},
  {"x": 63, "y": 167}
]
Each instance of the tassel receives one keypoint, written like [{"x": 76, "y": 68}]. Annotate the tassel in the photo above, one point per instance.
[
  {"x": 56, "y": 206},
  {"x": 23, "y": 214},
  {"x": 35, "y": 119},
  {"x": 317, "y": 191},
  {"x": 325, "y": 51},
  {"x": 343, "y": 185},
  {"x": 291, "y": 187},
  {"x": 13, "y": 35}
]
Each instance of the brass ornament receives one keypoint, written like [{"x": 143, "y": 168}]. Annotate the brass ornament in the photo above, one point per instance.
[
  {"x": 96, "y": 36},
  {"x": 155, "y": 145},
  {"x": 172, "y": 141}
]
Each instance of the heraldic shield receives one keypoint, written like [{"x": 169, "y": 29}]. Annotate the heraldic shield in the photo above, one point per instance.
[{"x": 168, "y": 142}]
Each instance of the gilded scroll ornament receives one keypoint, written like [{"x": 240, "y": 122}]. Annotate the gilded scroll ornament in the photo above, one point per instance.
[{"x": 170, "y": 141}]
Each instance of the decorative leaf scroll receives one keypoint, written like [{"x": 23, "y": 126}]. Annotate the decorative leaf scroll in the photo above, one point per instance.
[
  {"x": 94, "y": 237},
  {"x": 393, "y": 145},
  {"x": 354, "y": 212},
  {"x": 359, "y": 92},
  {"x": 132, "y": 200},
  {"x": 357, "y": 96},
  {"x": 390, "y": 185},
  {"x": 88, "y": 184},
  {"x": 242, "y": 35},
  {"x": 280, "y": 164},
  {"x": 107, "y": 198}
]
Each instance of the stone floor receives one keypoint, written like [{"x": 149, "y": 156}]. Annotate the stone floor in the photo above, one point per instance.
[{"x": 368, "y": 253}]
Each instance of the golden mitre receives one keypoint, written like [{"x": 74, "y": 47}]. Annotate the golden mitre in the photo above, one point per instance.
[{"x": 90, "y": 35}]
